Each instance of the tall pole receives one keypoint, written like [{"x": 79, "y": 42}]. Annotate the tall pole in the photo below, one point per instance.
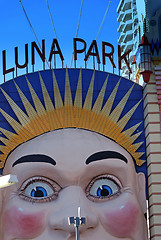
[
  {"x": 77, "y": 221},
  {"x": 77, "y": 227}
]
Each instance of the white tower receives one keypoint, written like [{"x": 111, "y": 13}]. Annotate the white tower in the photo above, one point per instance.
[{"x": 130, "y": 28}]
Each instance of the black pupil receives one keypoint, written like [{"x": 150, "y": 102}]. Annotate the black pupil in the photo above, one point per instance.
[
  {"x": 39, "y": 193},
  {"x": 104, "y": 192}
]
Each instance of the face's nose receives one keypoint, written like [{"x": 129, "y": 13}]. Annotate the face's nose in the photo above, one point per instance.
[{"x": 66, "y": 206}]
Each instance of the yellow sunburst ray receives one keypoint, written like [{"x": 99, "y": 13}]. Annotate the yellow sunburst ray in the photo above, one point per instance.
[
  {"x": 78, "y": 95},
  {"x": 1, "y": 160},
  {"x": 140, "y": 162},
  {"x": 99, "y": 101},
  {"x": 125, "y": 119},
  {"x": 47, "y": 100},
  {"x": 2, "y": 149},
  {"x": 139, "y": 155},
  {"x": 68, "y": 96},
  {"x": 130, "y": 140},
  {"x": 119, "y": 108},
  {"x": 4, "y": 140},
  {"x": 37, "y": 103},
  {"x": 57, "y": 95},
  {"x": 7, "y": 149},
  {"x": 88, "y": 100},
  {"x": 68, "y": 103},
  {"x": 22, "y": 117},
  {"x": 13, "y": 123},
  {"x": 7, "y": 133},
  {"x": 58, "y": 99},
  {"x": 85, "y": 117},
  {"x": 10, "y": 145},
  {"x": 28, "y": 107},
  {"x": 50, "y": 111},
  {"x": 132, "y": 147},
  {"x": 38, "y": 106},
  {"x": 137, "y": 145},
  {"x": 128, "y": 133},
  {"x": 135, "y": 136},
  {"x": 95, "y": 121},
  {"x": 108, "y": 105},
  {"x": 78, "y": 99},
  {"x": 30, "y": 111}
]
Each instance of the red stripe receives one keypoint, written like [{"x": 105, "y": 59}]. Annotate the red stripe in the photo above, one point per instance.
[
  {"x": 155, "y": 214},
  {"x": 156, "y": 224},
  {"x": 155, "y": 235},
  {"x": 154, "y": 183},
  {"x": 152, "y": 123},
  {"x": 153, "y": 143},
  {"x": 154, "y": 173},
  {"x": 153, "y": 153},
  {"x": 151, "y": 133},
  {"x": 156, "y": 193},
  {"x": 154, "y": 204},
  {"x": 151, "y": 163},
  {"x": 150, "y": 103},
  {"x": 151, "y": 113},
  {"x": 149, "y": 93}
]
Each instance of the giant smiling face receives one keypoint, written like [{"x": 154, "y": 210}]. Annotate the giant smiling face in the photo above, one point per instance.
[{"x": 65, "y": 169}]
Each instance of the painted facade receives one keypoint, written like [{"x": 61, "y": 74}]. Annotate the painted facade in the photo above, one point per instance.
[
  {"x": 75, "y": 140},
  {"x": 87, "y": 144}
]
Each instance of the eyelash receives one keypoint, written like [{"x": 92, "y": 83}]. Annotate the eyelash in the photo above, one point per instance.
[
  {"x": 51, "y": 184},
  {"x": 99, "y": 178}
]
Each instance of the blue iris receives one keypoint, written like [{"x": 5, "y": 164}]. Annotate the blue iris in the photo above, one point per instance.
[
  {"x": 104, "y": 191},
  {"x": 39, "y": 192}
]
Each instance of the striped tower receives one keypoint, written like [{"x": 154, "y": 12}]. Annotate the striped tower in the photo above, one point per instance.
[
  {"x": 158, "y": 86},
  {"x": 152, "y": 115}
]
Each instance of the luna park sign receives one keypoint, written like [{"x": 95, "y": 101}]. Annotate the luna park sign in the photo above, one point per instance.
[{"x": 79, "y": 47}]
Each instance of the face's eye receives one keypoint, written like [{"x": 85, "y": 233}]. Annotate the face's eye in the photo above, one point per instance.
[
  {"x": 103, "y": 187},
  {"x": 39, "y": 189}
]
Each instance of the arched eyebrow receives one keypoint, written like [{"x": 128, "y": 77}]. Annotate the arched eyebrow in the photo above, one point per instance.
[
  {"x": 35, "y": 158},
  {"x": 106, "y": 155}
]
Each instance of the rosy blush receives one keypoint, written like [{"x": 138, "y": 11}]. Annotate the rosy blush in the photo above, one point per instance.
[
  {"x": 123, "y": 221},
  {"x": 20, "y": 224}
]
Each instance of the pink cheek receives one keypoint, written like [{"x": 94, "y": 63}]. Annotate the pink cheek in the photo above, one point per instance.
[
  {"x": 23, "y": 225},
  {"x": 123, "y": 221}
]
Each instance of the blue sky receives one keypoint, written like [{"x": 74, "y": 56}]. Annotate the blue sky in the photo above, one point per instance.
[{"x": 15, "y": 30}]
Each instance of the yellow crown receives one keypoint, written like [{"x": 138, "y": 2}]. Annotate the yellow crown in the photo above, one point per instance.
[{"x": 59, "y": 115}]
